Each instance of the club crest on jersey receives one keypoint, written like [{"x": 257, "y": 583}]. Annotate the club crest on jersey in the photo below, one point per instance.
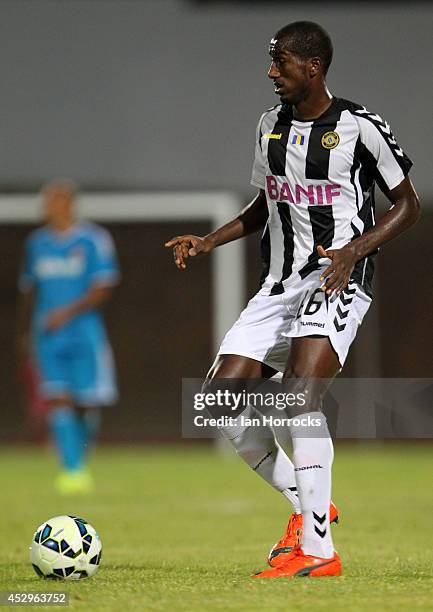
[{"x": 330, "y": 140}]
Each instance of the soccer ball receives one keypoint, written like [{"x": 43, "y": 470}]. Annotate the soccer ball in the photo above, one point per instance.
[{"x": 65, "y": 547}]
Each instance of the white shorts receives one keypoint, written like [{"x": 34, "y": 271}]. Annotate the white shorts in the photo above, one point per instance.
[{"x": 264, "y": 329}]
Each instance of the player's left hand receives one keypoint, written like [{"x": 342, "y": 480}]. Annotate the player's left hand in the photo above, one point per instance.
[
  {"x": 57, "y": 318},
  {"x": 338, "y": 273}
]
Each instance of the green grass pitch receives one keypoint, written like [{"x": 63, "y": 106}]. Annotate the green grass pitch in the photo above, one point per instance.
[{"x": 183, "y": 529}]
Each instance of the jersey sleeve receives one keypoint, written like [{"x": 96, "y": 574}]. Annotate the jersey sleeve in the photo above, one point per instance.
[
  {"x": 392, "y": 163},
  {"x": 259, "y": 169},
  {"x": 27, "y": 278},
  {"x": 103, "y": 266}
]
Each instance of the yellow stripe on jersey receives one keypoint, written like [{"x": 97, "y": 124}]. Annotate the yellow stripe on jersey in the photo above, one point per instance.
[{"x": 273, "y": 136}]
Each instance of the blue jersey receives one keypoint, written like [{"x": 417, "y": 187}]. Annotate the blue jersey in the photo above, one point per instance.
[{"x": 61, "y": 268}]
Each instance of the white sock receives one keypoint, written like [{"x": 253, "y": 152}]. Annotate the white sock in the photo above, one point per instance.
[
  {"x": 313, "y": 458},
  {"x": 258, "y": 447}
]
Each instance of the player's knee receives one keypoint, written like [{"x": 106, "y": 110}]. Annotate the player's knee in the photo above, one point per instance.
[
  {"x": 308, "y": 392},
  {"x": 207, "y": 386},
  {"x": 219, "y": 396},
  {"x": 209, "y": 389},
  {"x": 59, "y": 403}
]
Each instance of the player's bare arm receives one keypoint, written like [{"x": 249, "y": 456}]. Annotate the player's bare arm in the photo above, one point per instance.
[
  {"x": 252, "y": 219},
  {"x": 404, "y": 212},
  {"x": 95, "y": 298}
]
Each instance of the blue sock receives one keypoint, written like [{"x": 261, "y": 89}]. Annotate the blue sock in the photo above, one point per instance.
[
  {"x": 67, "y": 433},
  {"x": 90, "y": 424}
]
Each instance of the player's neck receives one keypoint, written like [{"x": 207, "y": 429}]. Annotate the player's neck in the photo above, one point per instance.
[
  {"x": 63, "y": 226},
  {"x": 313, "y": 106}
]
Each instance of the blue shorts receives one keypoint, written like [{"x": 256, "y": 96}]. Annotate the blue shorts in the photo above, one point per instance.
[{"x": 81, "y": 367}]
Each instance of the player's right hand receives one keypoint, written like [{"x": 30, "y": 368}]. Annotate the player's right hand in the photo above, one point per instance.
[{"x": 188, "y": 246}]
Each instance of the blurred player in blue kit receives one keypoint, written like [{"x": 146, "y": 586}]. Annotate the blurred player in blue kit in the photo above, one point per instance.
[{"x": 69, "y": 271}]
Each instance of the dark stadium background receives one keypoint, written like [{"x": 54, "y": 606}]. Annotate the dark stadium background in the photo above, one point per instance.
[
  {"x": 160, "y": 325},
  {"x": 144, "y": 96}
]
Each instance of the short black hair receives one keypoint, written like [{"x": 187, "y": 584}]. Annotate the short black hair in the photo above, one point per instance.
[
  {"x": 65, "y": 184},
  {"x": 306, "y": 39}
]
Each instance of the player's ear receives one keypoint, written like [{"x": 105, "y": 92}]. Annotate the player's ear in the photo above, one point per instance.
[{"x": 314, "y": 66}]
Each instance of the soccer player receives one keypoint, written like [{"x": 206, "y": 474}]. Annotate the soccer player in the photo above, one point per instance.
[
  {"x": 317, "y": 160},
  {"x": 69, "y": 271}
]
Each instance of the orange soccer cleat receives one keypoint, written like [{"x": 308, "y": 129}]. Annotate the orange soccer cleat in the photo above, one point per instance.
[
  {"x": 298, "y": 564},
  {"x": 292, "y": 538}
]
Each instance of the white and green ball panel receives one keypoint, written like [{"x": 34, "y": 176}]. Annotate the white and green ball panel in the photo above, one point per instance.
[{"x": 66, "y": 547}]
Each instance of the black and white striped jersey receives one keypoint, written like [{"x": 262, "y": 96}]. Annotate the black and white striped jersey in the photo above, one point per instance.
[{"x": 319, "y": 179}]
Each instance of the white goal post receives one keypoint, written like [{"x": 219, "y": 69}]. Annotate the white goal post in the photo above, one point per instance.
[{"x": 228, "y": 262}]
